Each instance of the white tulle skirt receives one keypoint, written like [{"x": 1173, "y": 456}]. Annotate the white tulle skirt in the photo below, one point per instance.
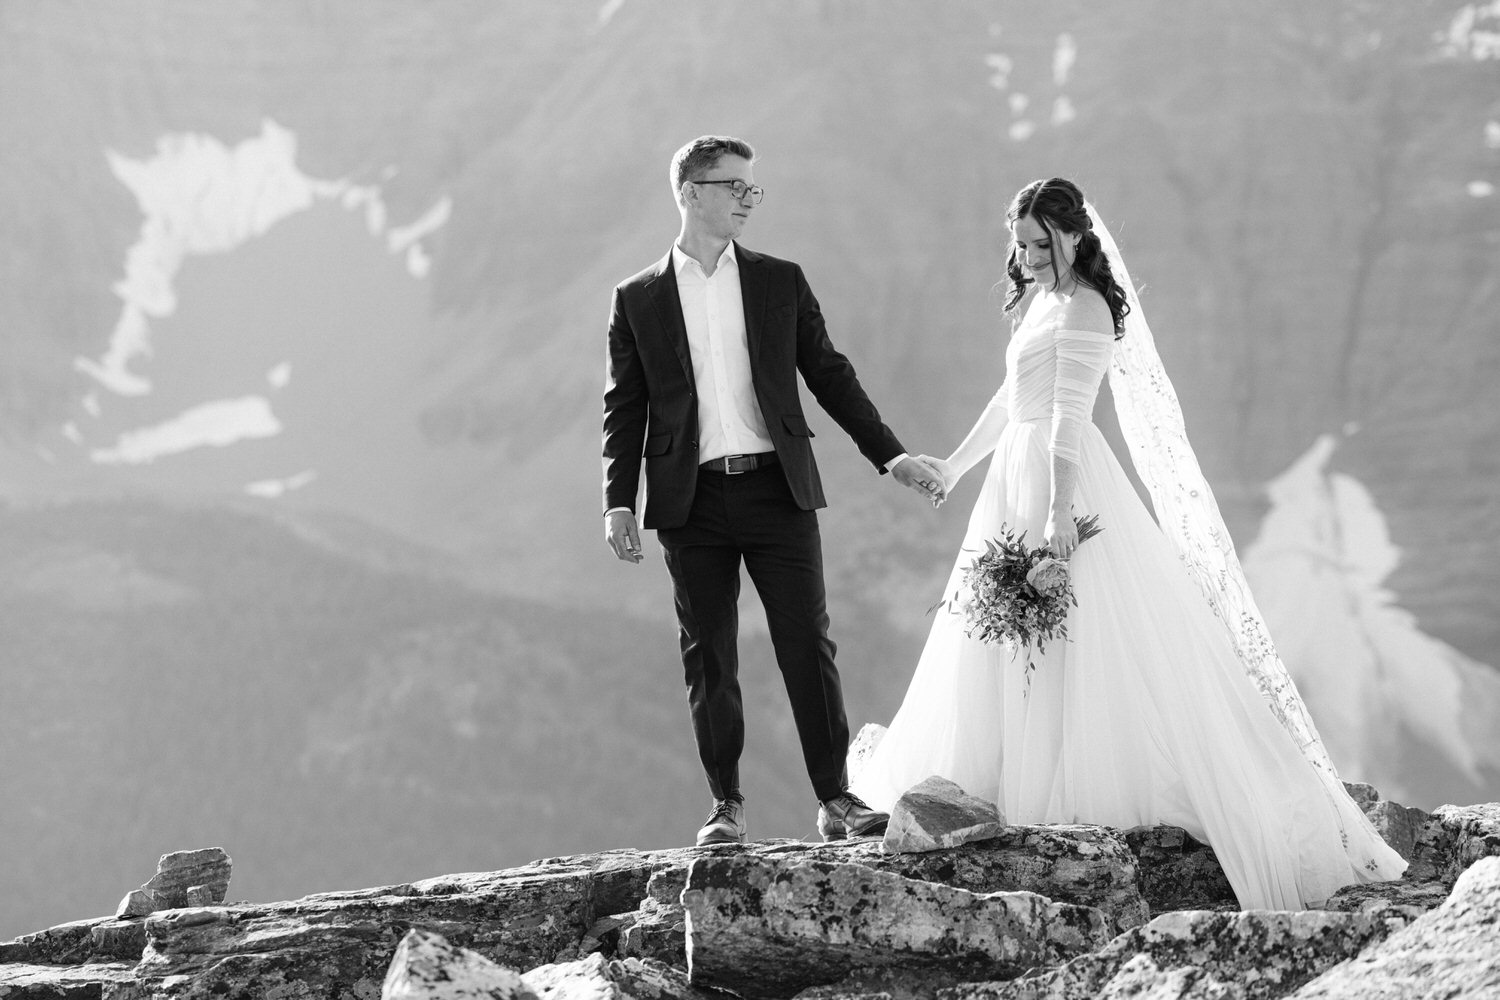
[{"x": 1143, "y": 716}]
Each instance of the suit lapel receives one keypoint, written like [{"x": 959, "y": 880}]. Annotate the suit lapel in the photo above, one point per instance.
[
  {"x": 662, "y": 290},
  {"x": 753, "y": 295}
]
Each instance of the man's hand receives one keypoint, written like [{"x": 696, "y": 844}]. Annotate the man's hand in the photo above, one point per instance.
[
  {"x": 919, "y": 475},
  {"x": 623, "y": 536}
]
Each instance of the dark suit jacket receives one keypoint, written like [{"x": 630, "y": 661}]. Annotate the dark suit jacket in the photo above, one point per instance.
[{"x": 650, "y": 400}]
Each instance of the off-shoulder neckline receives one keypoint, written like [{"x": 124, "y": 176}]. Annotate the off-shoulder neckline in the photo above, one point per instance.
[{"x": 1054, "y": 330}]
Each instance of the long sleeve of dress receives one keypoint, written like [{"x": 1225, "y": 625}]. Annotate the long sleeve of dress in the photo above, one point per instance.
[
  {"x": 984, "y": 435},
  {"x": 1082, "y": 359}
]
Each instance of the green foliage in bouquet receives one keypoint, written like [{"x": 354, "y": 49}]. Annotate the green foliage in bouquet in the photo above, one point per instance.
[{"x": 1018, "y": 595}]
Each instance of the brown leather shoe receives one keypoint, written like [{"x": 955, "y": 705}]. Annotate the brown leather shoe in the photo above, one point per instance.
[
  {"x": 847, "y": 816},
  {"x": 726, "y": 823}
]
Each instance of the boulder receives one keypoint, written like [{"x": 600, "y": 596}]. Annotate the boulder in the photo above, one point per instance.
[
  {"x": 427, "y": 967},
  {"x": 1253, "y": 955},
  {"x": 937, "y": 813},
  {"x": 768, "y": 928},
  {"x": 179, "y": 871},
  {"x": 1453, "y": 951}
]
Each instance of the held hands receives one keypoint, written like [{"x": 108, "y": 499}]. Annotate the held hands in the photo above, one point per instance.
[
  {"x": 623, "y": 536},
  {"x": 923, "y": 475}
]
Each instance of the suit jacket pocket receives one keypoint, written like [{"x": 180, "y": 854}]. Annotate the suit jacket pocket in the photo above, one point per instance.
[
  {"x": 796, "y": 423},
  {"x": 657, "y": 444}
]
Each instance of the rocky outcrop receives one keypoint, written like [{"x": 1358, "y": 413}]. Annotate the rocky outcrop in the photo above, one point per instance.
[
  {"x": 763, "y": 927},
  {"x": 1450, "y": 952},
  {"x": 1045, "y": 911}
]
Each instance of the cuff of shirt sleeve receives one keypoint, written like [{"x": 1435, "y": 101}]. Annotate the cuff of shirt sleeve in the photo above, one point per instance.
[
  {"x": 896, "y": 461},
  {"x": 614, "y": 509}
]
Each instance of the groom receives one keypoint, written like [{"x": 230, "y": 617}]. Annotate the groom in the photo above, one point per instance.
[{"x": 704, "y": 350}]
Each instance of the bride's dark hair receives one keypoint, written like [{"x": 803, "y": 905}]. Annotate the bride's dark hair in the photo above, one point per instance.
[{"x": 1058, "y": 205}]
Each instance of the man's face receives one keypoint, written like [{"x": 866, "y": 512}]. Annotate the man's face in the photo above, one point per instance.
[{"x": 715, "y": 210}]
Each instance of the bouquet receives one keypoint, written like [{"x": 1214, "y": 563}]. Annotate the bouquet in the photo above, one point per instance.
[{"x": 1018, "y": 595}]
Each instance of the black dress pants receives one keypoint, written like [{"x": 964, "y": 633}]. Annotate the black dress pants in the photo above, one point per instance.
[{"x": 752, "y": 517}]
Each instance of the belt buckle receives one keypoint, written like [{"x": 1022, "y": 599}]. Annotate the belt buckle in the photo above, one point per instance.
[{"x": 730, "y": 470}]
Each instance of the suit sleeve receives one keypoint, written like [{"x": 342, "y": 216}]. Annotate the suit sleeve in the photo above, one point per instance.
[
  {"x": 625, "y": 409},
  {"x": 831, "y": 379}
]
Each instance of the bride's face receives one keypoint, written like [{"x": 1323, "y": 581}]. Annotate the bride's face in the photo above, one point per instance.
[{"x": 1046, "y": 255}]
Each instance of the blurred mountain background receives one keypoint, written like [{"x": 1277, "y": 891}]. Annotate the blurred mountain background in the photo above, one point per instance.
[{"x": 302, "y": 312}]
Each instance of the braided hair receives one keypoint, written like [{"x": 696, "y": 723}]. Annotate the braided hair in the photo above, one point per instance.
[{"x": 1059, "y": 206}]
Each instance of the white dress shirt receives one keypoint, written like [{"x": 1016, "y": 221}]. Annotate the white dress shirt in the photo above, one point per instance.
[{"x": 729, "y": 417}]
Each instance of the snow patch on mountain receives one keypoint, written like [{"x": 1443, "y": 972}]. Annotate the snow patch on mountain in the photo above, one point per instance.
[
  {"x": 200, "y": 196},
  {"x": 219, "y": 423},
  {"x": 1373, "y": 680}
]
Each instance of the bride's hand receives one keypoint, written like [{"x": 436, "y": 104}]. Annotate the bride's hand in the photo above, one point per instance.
[
  {"x": 1061, "y": 536},
  {"x": 945, "y": 469},
  {"x": 948, "y": 479}
]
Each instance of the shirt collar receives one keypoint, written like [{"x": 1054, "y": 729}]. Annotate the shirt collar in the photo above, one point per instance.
[{"x": 681, "y": 260}]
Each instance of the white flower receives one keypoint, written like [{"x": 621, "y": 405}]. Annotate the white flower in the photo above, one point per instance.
[{"x": 1049, "y": 577}]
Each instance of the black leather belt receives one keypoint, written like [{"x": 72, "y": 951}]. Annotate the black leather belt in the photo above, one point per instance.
[{"x": 733, "y": 465}]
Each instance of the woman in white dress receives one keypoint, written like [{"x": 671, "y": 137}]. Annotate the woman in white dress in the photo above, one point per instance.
[{"x": 1166, "y": 704}]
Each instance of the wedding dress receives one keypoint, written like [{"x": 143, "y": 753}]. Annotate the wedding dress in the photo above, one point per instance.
[{"x": 1147, "y": 714}]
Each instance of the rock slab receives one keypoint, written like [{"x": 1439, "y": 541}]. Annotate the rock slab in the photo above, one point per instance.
[
  {"x": 769, "y": 929},
  {"x": 937, "y": 813}
]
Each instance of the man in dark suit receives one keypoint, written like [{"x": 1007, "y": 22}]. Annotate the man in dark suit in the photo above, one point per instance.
[{"x": 704, "y": 351}]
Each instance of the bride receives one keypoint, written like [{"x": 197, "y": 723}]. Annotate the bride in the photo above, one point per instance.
[{"x": 1167, "y": 703}]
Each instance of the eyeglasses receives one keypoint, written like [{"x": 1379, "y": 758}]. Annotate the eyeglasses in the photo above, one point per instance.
[{"x": 738, "y": 189}]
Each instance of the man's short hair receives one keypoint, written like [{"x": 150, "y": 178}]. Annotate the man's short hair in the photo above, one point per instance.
[{"x": 702, "y": 154}]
